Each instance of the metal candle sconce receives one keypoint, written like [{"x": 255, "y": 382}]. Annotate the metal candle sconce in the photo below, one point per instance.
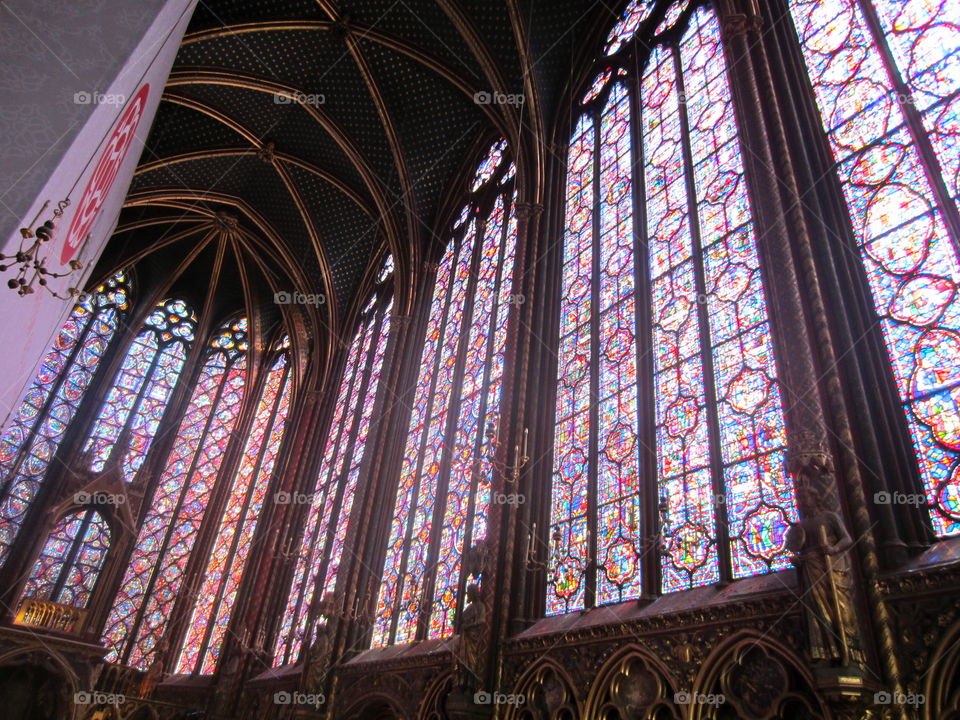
[{"x": 27, "y": 260}]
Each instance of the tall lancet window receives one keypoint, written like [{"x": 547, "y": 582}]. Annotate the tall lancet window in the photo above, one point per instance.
[
  {"x": 331, "y": 503},
  {"x": 35, "y": 430},
  {"x": 228, "y": 557},
  {"x": 667, "y": 392},
  {"x": 445, "y": 476},
  {"x": 143, "y": 606},
  {"x": 886, "y": 74},
  {"x": 142, "y": 387}
]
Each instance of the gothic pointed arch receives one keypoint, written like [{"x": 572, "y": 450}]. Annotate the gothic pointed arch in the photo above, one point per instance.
[
  {"x": 547, "y": 691},
  {"x": 751, "y": 676},
  {"x": 941, "y": 689},
  {"x": 633, "y": 685}
]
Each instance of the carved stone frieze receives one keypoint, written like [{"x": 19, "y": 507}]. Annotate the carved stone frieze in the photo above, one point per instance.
[{"x": 684, "y": 642}]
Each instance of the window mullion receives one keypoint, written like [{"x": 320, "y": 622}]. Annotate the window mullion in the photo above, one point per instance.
[
  {"x": 648, "y": 518},
  {"x": 706, "y": 344},
  {"x": 590, "y": 585}
]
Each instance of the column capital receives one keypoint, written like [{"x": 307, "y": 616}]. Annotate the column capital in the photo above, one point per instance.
[
  {"x": 401, "y": 320},
  {"x": 808, "y": 453},
  {"x": 528, "y": 210},
  {"x": 740, "y": 24}
]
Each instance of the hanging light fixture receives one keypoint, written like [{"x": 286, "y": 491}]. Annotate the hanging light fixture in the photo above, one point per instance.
[{"x": 30, "y": 264}]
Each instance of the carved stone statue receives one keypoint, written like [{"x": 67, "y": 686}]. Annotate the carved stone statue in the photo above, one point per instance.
[
  {"x": 154, "y": 673},
  {"x": 318, "y": 658},
  {"x": 475, "y": 560},
  {"x": 470, "y": 650},
  {"x": 153, "y": 676},
  {"x": 820, "y": 543}
]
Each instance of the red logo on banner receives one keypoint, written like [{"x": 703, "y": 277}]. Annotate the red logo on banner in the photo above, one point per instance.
[{"x": 105, "y": 173}]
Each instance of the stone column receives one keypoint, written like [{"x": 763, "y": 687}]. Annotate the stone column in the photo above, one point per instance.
[
  {"x": 807, "y": 361},
  {"x": 84, "y": 80}
]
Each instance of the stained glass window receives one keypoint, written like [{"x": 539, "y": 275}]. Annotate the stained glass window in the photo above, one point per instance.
[
  {"x": 627, "y": 26},
  {"x": 154, "y": 577},
  {"x": 228, "y": 557},
  {"x": 321, "y": 550},
  {"x": 667, "y": 304},
  {"x": 886, "y": 74},
  {"x": 142, "y": 387},
  {"x": 71, "y": 559},
  {"x": 35, "y": 430},
  {"x": 445, "y": 476}
]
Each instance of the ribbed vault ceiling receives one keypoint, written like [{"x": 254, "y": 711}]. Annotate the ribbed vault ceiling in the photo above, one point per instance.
[{"x": 338, "y": 130}]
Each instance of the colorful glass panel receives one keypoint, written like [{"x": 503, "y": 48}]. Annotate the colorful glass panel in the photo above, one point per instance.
[
  {"x": 154, "y": 577},
  {"x": 142, "y": 387},
  {"x": 717, "y": 417},
  {"x": 332, "y": 502},
  {"x": 470, "y": 473},
  {"x": 443, "y": 493},
  {"x": 758, "y": 498},
  {"x": 214, "y": 601},
  {"x": 490, "y": 164},
  {"x": 635, "y": 13},
  {"x": 69, "y": 564},
  {"x": 35, "y": 430},
  {"x": 886, "y": 75},
  {"x": 568, "y": 531},
  {"x": 672, "y": 15},
  {"x": 618, "y": 471},
  {"x": 387, "y": 270}
]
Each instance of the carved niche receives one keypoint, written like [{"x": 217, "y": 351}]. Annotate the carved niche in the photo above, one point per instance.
[{"x": 545, "y": 694}]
